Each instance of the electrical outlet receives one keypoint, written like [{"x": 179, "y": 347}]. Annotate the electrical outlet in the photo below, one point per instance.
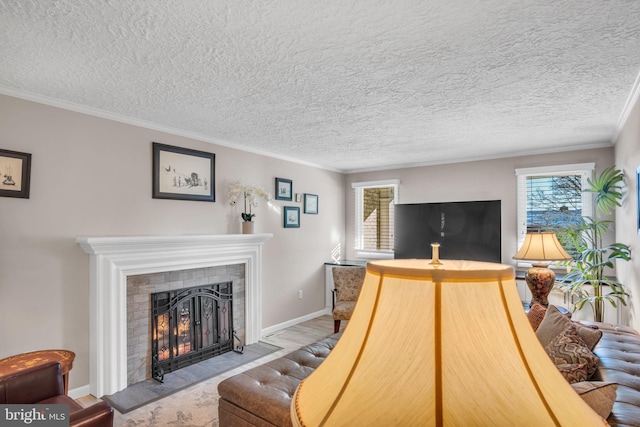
[{"x": 300, "y": 294}]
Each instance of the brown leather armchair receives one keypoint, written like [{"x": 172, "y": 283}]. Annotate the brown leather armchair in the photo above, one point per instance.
[{"x": 43, "y": 384}]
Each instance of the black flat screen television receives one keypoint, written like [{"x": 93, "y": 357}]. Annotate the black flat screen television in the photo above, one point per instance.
[{"x": 465, "y": 230}]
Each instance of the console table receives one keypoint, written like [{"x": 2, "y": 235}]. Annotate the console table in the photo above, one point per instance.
[{"x": 27, "y": 360}]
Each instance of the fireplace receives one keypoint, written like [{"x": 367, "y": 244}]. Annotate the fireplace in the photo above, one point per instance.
[
  {"x": 191, "y": 325},
  {"x": 140, "y": 289},
  {"x": 114, "y": 259}
]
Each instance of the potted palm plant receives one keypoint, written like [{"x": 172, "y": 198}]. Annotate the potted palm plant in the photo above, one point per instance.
[{"x": 587, "y": 280}]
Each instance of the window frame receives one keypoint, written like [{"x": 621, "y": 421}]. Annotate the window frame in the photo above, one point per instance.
[
  {"x": 358, "y": 243},
  {"x": 586, "y": 171}
]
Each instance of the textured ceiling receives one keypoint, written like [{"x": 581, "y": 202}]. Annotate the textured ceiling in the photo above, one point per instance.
[{"x": 343, "y": 84}]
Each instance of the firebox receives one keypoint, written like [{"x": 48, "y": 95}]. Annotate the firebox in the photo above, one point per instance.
[{"x": 190, "y": 325}]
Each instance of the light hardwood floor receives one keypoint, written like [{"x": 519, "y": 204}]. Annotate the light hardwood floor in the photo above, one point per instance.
[
  {"x": 303, "y": 333},
  {"x": 198, "y": 405}
]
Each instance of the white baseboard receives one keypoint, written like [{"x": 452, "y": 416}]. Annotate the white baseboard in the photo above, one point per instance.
[
  {"x": 83, "y": 391},
  {"x": 79, "y": 392},
  {"x": 293, "y": 322}
]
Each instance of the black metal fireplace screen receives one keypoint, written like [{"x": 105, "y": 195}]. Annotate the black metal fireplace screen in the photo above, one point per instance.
[{"x": 191, "y": 325}]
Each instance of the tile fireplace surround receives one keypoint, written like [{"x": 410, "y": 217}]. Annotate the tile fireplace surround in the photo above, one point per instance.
[{"x": 112, "y": 259}]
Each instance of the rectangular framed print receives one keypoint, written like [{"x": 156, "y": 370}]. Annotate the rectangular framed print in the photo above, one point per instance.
[
  {"x": 183, "y": 174},
  {"x": 311, "y": 203},
  {"x": 291, "y": 217},
  {"x": 15, "y": 174},
  {"x": 284, "y": 189}
]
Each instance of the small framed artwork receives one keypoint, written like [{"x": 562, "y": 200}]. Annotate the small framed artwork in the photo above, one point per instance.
[
  {"x": 284, "y": 189},
  {"x": 15, "y": 174},
  {"x": 311, "y": 203},
  {"x": 183, "y": 174},
  {"x": 291, "y": 217}
]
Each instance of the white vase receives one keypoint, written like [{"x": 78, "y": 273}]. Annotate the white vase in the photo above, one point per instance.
[{"x": 247, "y": 227}]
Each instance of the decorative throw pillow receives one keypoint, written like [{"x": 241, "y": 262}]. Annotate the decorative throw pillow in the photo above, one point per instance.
[
  {"x": 568, "y": 347},
  {"x": 591, "y": 336},
  {"x": 555, "y": 322},
  {"x": 551, "y": 326},
  {"x": 536, "y": 314},
  {"x": 599, "y": 395},
  {"x": 573, "y": 372}
]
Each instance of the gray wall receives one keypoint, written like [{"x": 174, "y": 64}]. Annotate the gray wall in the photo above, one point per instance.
[
  {"x": 627, "y": 158},
  {"x": 92, "y": 177},
  {"x": 481, "y": 180}
]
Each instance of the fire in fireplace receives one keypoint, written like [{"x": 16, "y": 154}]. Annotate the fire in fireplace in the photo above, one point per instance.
[{"x": 191, "y": 325}]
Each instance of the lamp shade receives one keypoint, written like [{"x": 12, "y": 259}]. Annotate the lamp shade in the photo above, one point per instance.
[
  {"x": 542, "y": 246},
  {"x": 435, "y": 345}
]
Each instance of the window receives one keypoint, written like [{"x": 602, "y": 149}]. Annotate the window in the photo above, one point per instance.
[
  {"x": 375, "y": 202},
  {"x": 551, "y": 197}
]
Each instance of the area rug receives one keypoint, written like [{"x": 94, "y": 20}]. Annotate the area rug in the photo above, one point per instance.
[{"x": 148, "y": 391}]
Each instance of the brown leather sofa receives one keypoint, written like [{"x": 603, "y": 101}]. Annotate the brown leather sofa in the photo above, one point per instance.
[
  {"x": 43, "y": 384},
  {"x": 619, "y": 354},
  {"x": 261, "y": 396}
]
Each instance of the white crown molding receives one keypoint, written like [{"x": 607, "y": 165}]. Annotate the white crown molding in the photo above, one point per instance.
[
  {"x": 96, "y": 112},
  {"x": 590, "y": 146},
  {"x": 631, "y": 101}
]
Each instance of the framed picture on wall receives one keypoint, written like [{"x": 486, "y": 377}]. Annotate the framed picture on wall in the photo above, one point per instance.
[
  {"x": 15, "y": 174},
  {"x": 291, "y": 217},
  {"x": 311, "y": 203},
  {"x": 183, "y": 174},
  {"x": 284, "y": 189}
]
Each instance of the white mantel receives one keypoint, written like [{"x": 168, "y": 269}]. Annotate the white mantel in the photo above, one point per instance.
[{"x": 112, "y": 259}]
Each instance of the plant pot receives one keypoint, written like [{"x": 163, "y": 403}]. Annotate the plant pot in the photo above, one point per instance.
[{"x": 247, "y": 227}]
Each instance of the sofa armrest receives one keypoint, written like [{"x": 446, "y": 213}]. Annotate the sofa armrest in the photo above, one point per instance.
[
  {"x": 32, "y": 385},
  {"x": 96, "y": 415}
]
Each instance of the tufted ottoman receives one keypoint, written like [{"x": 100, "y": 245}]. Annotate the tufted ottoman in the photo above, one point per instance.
[{"x": 261, "y": 396}]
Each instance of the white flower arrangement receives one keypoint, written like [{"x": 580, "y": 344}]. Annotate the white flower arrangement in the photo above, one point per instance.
[{"x": 250, "y": 194}]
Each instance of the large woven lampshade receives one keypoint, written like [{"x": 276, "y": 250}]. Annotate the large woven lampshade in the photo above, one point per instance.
[{"x": 435, "y": 345}]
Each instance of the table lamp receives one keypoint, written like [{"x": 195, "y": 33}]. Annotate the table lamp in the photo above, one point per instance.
[
  {"x": 541, "y": 248},
  {"x": 438, "y": 345}
]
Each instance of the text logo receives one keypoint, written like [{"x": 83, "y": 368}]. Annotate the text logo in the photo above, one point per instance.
[{"x": 34, "y": 415}]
